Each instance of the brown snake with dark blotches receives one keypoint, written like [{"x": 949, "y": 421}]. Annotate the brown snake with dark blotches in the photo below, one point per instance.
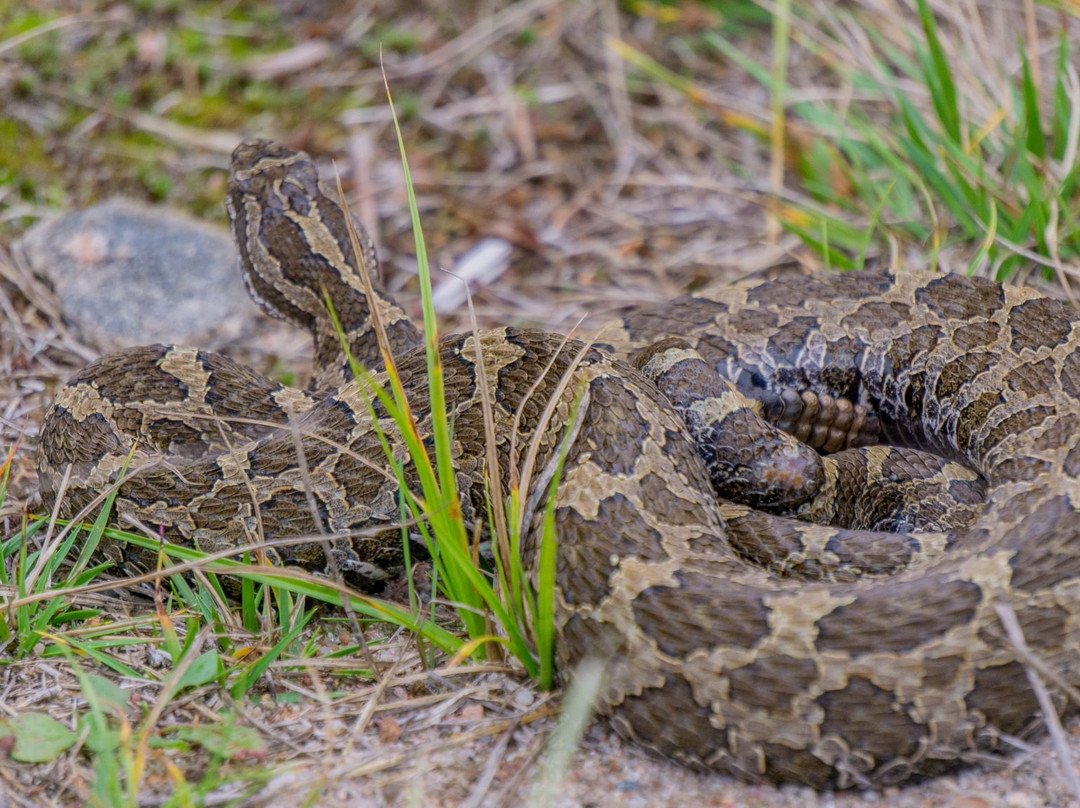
[{"x": 808, "y": 669}]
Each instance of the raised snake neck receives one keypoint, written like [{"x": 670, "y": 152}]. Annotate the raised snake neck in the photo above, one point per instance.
[{"x": 711, "y": 659}]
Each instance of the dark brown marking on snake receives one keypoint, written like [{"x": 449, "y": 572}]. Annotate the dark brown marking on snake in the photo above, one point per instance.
[
  {"x": 1003, "y": 691},
  {"x": 957, "y": 297},
  {"x": 797, "y": 290},
  {"x": 872, "y": 553},
  {"x": 877, "y": 708},
  {"x": 959, "y": 372},
  {"x": 153, "y": 383},
  {"x": 972, "y": 416},
  {"x": 697, "y": 741},
  {"x": 1071, "y": 464},
  {"x": 969, "y": 492},
  {"x": 637, "y": 541},
  {"x": 773, "y": 682},
  {"x": 687, "y": 309},
  {"x": 677, "y": 511},
  {"x": 789, "y": 339},
  {"x": 897, "y": 625},
  {"x": 940, "y": 672},
  {"x": 753, "y": 321},
  {"x": 972, "y": 336},
  {"x": 1039, "y": 323},
  {"x": 1056, "y": 553},
  {"x": 1024, "y": 469},
  {"x": 784, "y": 763},
  {"x": 841, "y": 373},
  {"x": 612, "y": 454},
  {"x": 1032, "y": 378},
  {"x": 873, "y": 316},
  {"x": 96, "y": 436},
  {"x": 1017, "y": 424},
  {"x": 743, "y": 622},
  {"x": 1045, "y": 626},
  {"x": 1070, "y": 373},
  {"x": 1058, "y": 433}
]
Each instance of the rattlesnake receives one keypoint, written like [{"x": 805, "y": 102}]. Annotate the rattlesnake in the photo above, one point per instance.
[{"x": 790, "y": 671}]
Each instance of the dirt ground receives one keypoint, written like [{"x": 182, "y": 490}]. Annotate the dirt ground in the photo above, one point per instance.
[{"x": 525, "y": 128}]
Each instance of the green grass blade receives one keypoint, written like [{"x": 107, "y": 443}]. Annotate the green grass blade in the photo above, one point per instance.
[
  {"x": 574, "y": 716},
  {"x": 1035, "y": 140},
  {"x": 247, "y": 679},
  {"x": 439, "y": 421},
  {"x": 939, "y": 76}
]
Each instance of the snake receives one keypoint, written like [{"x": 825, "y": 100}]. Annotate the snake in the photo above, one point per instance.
[{"x": 734, "y": 640}]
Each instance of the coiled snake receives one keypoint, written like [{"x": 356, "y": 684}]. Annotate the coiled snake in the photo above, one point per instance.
[{"x": 792, "y": 656}]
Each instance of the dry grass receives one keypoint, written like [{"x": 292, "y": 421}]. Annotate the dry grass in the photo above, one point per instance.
[{"x": 604, "y": 187}]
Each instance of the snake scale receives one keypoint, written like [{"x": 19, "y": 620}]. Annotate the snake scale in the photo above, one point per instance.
[{"x": 800, "y": 656}]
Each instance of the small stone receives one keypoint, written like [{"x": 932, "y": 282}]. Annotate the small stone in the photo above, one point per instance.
[
  {"x": 128, "y": 273},
  {"x": 472, "y": 712},
  {"x": 523, "y": 697},
  {"x": 389, "y": 730}
]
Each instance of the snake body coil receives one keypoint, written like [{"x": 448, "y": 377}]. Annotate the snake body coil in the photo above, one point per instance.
[{"x": 791, "y": 671}]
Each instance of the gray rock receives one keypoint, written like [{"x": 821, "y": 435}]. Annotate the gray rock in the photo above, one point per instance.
[{"x": 128, "y": 273}]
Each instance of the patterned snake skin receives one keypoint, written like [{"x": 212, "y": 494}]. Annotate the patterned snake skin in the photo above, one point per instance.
[{"x": 735, "y": 641}]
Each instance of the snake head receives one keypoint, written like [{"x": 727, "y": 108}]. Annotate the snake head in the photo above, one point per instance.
[
  {"x": 292, "y": 236},
  {"x": 278, "y": 177},
  {"x": 298, "y": 251}
]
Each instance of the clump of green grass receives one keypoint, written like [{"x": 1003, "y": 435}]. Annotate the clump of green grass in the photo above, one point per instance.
[
  {"x": 1005, "y": 183},
  {"x": 42, "y": 617},
  {"x": 498, "y": 609},
  {"x": 930, "y": 169}
]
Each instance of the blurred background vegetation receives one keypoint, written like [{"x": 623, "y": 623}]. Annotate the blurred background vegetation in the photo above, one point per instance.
[{"x": 588, "y": 134}]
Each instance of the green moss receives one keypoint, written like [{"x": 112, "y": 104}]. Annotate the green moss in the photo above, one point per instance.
[
  {"x": 262, "y": 13},
  {"x": 157, "y": 183},
  {"x": 42, "y": 54},
  {"x": 15, "y": 20},
  {"x": 23, "y": 162},
  {"x": 184, "y": 42},
  {"x": 390, "y": 37},
  {"x": 527, "y": 93},
  {"x": 122, "y": 97},
  {"x": 408, "y": 105},
  {"x": 526, "y": 36},
  {"x": 100, "y": 65},
  {"x": 157, "y": 6}
]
